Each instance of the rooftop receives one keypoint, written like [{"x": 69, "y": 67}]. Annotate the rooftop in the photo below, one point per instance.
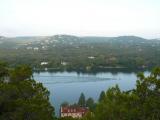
[{"x": 71, "y": 109}]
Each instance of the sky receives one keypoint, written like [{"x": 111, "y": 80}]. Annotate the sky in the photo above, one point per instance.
[{"x": 80, "y": 17}]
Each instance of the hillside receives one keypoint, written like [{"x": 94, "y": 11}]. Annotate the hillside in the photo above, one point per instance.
[{"x": 81, "y": 53}]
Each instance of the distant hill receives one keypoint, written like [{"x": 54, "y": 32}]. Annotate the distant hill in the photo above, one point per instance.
[
  {"x": 81, "y": 53},
  {"x": 74, "y": 39},
  {"x": 60, "y": 40}
]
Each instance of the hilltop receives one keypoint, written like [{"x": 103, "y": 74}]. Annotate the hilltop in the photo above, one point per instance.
[{"x": 81, "y": 53}]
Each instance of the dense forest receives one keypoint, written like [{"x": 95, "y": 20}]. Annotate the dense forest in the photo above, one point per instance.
[
  {"x": 21, "y": 98},
  {"x": 66, "y": 52}
]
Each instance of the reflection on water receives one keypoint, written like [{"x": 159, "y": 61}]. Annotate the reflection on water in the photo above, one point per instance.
[
  {"x": 71, "y": 79},
  {"x": 67, "y": 86}
]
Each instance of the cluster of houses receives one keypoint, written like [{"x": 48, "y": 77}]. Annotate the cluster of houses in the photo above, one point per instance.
[{"x": 73, "y": 111}]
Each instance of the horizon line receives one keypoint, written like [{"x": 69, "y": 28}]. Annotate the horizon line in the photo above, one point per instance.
[{"x": 76, "y": 36}]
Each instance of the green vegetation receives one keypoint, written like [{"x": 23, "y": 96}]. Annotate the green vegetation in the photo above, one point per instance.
[
  {"x": 102, "y": 96},
  {"x": 82, "y": 100},
  {"x": 21, "y": 98},
  {"x": 91, "y": 104},
  {"x": 64, "y": 52},
  {"x": 141, "y": 103}
]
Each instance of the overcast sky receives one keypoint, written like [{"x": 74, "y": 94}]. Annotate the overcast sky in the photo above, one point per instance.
[{"x": 80, "y": 17}]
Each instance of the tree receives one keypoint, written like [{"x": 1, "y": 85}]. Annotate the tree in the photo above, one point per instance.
[
  {"x": 21, "y": 98},
  {"x": 90, "y": 103},
  {"x": 3, "y": 71},
  {"x": 68, "y": 118},
  {"x": 82, "y": 101},
  {"x": 148, "y": 92},
  {"x": 141, "y": 103},
  {"x": 65, "y": 104},
  {"x": 102, "y": 96},
  {"x": 22, "y": 72},
  {"x": 88, "y": 116}
]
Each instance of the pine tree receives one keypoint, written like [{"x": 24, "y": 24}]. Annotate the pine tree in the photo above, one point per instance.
[
  {"x": 82, "y": 101},
  {"x": 102, "y": 96}
]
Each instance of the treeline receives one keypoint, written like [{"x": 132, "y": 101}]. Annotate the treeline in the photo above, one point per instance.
[
  {"x": 82, "y": 102},
  {"x": 85, "y": 54},
  {"x": 21, "y": 98},
  {"x": 141, "y": 103}
]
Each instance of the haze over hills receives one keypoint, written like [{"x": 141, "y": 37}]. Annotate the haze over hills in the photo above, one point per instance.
[
  {"x": 81, "y": 53},
  {"x": 52, "y": 41},
  {"x": 69, "y": 38}
]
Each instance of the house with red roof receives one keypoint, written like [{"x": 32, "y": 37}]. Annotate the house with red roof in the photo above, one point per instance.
[{"x": 75, "y": 112}]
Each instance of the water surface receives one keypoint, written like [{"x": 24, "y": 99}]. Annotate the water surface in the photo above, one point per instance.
[{"x": 67, "y": 86}]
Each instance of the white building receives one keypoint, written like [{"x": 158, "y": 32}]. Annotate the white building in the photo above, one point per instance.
[{"x": 44, "y": 63}]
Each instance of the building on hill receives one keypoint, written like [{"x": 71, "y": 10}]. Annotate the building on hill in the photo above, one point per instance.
[{"x": 75, "y": 112}]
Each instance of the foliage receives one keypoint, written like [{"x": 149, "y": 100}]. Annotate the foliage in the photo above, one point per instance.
[
  {"x": 141, "y": 103},
  {"x": 20, "y": 73},
  {"x": 3, "y": 71},
  {"x": 65, "y": 104},
  {"x": 21, "y": 98},
  {"x": 82, "y": 100},
  {"x": 102, "y": 96},
  {"x": 81, "y": 53},
  {"x": 68, "y": 118},
  {"x": 91, "y": 104}
]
